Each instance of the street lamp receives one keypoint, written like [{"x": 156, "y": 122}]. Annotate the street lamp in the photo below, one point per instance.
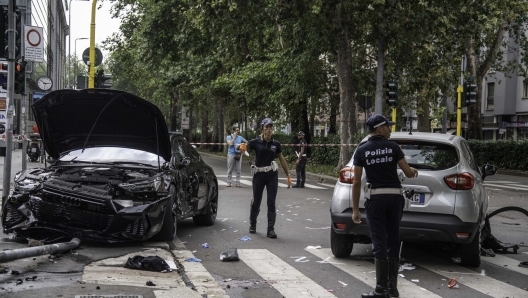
[
  {"x": 75, "y": 53},
  {"x": 69, "y": 42}
]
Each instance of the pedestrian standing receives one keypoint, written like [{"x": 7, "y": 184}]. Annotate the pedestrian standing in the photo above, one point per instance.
[
  {"x": 266, "y": 174},
  {"x": 384, "y": 200},
  {"x": 301, "y": 161},
  {"x": 234, "y": 156}
]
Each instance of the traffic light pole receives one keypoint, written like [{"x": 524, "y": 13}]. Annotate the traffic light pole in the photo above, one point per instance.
[
  {"x": 10, "y": 101},
  {"x": 459, "y": 101},
  {"x": 394, "y": 119}
]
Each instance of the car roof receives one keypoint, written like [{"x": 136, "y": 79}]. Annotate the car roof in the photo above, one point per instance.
[{"x": 424, "y": 136}]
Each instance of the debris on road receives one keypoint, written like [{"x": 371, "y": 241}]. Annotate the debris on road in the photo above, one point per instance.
[
  {"x": 314, "y": 247},
  {"x": 205, "y": 245},
  {"x": 150, "y": 263},
  {"x": 193, "y": 260},
  {"x": 452, "y": 283},
  {"x": 229, "y": 255},
  {"x": 245, "y": 238}
]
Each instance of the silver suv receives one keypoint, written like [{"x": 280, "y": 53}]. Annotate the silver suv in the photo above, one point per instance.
[{"x": 447, "y": 202}]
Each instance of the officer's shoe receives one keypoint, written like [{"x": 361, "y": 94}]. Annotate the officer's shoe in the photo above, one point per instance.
[
  {"x": 271, "y": 234},
  {"x": 252, "y": 229},
  {"x": 296, "y": 186},
  {"x": 302, "y": 185},
  {"x": 382, "y": 280}
]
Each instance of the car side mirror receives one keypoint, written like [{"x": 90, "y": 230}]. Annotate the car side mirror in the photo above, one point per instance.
[{"x": 489, "y": 170}]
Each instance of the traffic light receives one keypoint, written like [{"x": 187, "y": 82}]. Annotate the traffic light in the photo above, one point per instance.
[
  {"x": 470, "y": 93},
  {"x": 20, "y": 77},
  {"x": 18, "y": 35},
  {"x": 101, "y": 80},
  {"x": 4, "y": 25},
  {"x": 392, "y": 93}
]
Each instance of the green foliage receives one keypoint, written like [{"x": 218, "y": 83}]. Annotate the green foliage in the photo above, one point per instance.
[{"x": 505, "y": 154}]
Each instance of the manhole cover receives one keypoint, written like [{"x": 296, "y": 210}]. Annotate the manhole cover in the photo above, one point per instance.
[{"x": 109, "y": 296}]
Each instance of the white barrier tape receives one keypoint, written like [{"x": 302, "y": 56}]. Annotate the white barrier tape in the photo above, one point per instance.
[{"x": 289, "y": 145}]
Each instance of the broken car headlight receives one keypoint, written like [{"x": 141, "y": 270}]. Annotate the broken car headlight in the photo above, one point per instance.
[{"x": 143, "y": 186}]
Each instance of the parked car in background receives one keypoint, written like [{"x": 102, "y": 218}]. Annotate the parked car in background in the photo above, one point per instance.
[
  {"x": 118, "y": 175},
  {"x": 447, "y": 202}
]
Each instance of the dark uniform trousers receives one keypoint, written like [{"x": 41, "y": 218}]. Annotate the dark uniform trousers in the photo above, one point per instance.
[
  {"x": 270, "y": 181},
  {"x": 301, "y": 170},
  {"x": 384, "y": 213}
]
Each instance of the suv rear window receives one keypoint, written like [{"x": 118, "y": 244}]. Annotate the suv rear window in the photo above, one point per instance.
[{"x": 429, "y": 155}]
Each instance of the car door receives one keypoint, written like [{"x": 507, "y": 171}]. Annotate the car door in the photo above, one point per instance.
[
  {"x": 197, "y": 175},
  {"x": 181, "y": 177}
]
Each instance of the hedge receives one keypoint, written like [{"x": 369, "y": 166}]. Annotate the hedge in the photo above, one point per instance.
[{"x": 505, "y": 154}]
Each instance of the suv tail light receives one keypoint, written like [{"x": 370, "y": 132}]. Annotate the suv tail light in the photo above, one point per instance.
[
  {"x": 346, "y": 175},
  {"x": 462, "y": 181}
]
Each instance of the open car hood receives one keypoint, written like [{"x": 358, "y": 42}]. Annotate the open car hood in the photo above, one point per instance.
[{"x": 76, "y": 119}]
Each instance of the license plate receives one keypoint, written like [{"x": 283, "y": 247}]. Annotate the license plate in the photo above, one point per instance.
[
  {"x": 33, "y": 149},
  {"x": 418, "y": 199}
]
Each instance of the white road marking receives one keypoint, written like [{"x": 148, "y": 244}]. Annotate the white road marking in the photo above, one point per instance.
[
  {"x": 250, "y": 183},
  {"x": 365, "y": 271},
  {"x": 470, "y": 278},
  {"x": 505, "y": 262},
  {"x": 517, "y": 187},
  {"x": 284, "y": 278}
]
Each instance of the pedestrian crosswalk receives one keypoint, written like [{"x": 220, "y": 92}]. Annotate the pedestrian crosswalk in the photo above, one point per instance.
[
  {"x": 291, "y": 280},
  {"x": 246, "y": 180},
  {"x": 508, "y": 185}
]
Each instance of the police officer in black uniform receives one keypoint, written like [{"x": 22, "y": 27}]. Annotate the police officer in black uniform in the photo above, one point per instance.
[
  {"x": 301, "y": 161},
  {"x": 266, "y": 175},
  {"x": 384, "y": 208}
]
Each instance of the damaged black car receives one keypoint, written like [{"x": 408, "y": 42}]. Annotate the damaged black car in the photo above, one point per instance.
[{"x": 118, "y": 176}]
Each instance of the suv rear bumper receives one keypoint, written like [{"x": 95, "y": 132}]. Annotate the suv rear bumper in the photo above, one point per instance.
[{"x": 414, "y": 226}]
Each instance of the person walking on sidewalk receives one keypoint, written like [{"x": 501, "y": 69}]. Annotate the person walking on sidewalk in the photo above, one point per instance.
[
  {"x": 266, "y": 174},
  {"x": 302, "y": 158},
  {"x": 234, "y": 156},
  {"x": 384, "y": 201}
]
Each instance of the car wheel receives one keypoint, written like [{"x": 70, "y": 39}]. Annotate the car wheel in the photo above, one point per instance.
[
  {"x": 341, "y": 244},
  {"x": 470, "y": 253},
  {"x": 208, "y": 218},
  {"x": 169, "y": 228}
]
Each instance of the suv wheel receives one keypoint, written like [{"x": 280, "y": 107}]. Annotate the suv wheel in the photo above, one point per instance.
[
  {"x": 169, "y": 227},
  {"x": 341, "y": 244},
  {"x": 211, "y": 209},
  {"x": 470, "y": 253}
]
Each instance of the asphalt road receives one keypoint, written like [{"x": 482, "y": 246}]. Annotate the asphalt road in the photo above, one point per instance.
[{"x": 282, "y": 267}]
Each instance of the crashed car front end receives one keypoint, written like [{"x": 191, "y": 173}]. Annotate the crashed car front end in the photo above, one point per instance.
[{"x": 94, "y": 202}]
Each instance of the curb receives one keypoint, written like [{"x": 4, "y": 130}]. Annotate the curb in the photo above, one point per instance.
[{"x": 319, "y": 178}]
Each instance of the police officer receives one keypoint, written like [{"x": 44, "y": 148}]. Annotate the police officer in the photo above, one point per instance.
[
  {"x": 266, "y": 175},
  {"x": 384, "y": 209},
  {"x": 301, "y": 161}
]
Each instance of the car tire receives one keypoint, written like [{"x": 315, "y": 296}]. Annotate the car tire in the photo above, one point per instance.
[
  {"x": 470, "y": 253},
  {"x": 341, "y": 244},
  {"x": 169, "y": 227},
  {"x": 209, "y": 216}
]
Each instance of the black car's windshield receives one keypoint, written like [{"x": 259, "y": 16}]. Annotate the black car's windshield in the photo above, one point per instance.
[
  {"x": 112, "y": 155},
  {"x": 429, "y": 155}
]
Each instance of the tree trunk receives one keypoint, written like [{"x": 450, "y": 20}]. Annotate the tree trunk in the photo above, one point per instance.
[
  {"x": 424, "y": 120},
  {"x": 347, "y": 125},
  {"x": 334, "y": 106},
  {"x": 205, "y": 126}
]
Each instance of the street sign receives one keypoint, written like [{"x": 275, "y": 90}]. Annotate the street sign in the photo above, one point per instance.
[
  {"x": 33, "y": 43},
  {"x": 408, "y": 124},
  {"x": 2, "y": 128},
  {"x": 185, "y": 119},
  {"x": 98, "y": 56}
]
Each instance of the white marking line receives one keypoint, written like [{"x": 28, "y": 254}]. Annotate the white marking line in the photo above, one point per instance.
[
  {"x": 365, "y": 272},
  {"x": 283, "y": 277},
  {"x": 501, "y": 261},
  {"x": 470, "y": 278},
  {"x": 233, "y": 176},
  {"x": 518, "y": 187}
]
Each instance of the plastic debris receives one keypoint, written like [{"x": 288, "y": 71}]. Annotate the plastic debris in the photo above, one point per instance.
[
  {"x": 229, "y": 255},
  {"x": 205, "y": 245},
  {"x": 150, "y": 284},
  {"x": 31, "y": 278},
  {"x": 452, "y": 283},
  {"x": 235, "y": 231},
  {"x": 401, "y": 275},
  {"x": 344, "y": 284},
  {"x": 245, "y": 238},
  {"x": 330, "y": 290},
  {"x": 457, "y": 260},
  {"x": 415, "y": 280},
  {"x": 193, "y": 260},
  {"x": 314, "y": 247},
  {"x": 407, "y": 266},
  {"x": 523, "y": 264},
  {"x": 19, "y": 282}
]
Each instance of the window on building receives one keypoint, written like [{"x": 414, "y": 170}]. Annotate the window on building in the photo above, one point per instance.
[
  {"x": 525, "y": 89},
  {"x": 490, "y": 96}
]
